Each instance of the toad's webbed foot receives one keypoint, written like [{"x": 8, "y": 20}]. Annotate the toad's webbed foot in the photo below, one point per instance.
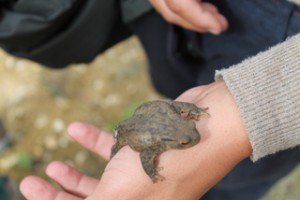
[
  {"x": 192, "y": 111},
  {"x": 149, "y": 164}
]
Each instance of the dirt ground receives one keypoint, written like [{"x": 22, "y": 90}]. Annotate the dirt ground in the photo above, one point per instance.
[{"x": 37, "y": 104}]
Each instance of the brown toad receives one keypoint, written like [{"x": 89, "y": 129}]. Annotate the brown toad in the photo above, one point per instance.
[{"x": 155, "y": 127}]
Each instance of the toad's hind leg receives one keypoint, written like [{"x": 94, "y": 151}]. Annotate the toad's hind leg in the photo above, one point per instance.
[
  {"x": 192, "y": 110},
  {"x": 149, "y": 163}
]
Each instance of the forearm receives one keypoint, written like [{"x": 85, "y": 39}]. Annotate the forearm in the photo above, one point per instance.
[
  {"x": 224, "y": 141},
  {"x": 266, "y": 89}
]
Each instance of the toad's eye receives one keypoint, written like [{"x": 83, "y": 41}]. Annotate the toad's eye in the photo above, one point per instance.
[{"x": 184, "y": 140}]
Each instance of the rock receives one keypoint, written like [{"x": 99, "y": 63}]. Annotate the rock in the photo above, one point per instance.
[
  {"x": 51, "y": 142},
  {"x": 58, "y": 125}
]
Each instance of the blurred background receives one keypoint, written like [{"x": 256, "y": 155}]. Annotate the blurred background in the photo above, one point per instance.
[{"x": 37, "y": 104}]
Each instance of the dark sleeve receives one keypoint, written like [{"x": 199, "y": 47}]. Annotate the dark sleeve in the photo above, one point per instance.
[
  {"x": 131, "y": 9},
  {"x": 25, "y": 24},
  {"x": 57, "y": 33}
]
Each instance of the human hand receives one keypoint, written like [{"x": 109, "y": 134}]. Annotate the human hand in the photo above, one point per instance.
[
  {"x": 192, "y": 14},
  {"x": 223, "y": 144}
]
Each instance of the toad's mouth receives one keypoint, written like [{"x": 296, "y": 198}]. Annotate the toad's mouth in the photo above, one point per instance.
[
  {"x": 182, "y": 142},
  {"x": 166, "y": 139}
]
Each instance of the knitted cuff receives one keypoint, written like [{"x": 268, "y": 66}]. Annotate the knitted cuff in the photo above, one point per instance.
[{"x": 266, "y": 89}]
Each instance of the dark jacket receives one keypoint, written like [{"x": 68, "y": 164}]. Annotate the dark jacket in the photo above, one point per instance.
[
  {"x": 132, "y": 9},
  {"x": 57, "y": 33}
]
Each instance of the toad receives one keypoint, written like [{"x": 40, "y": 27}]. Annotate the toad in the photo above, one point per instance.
[{"x": 155, "y": 127}]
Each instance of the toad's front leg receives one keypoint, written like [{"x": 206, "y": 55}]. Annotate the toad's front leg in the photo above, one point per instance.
[
  {"x": 115, "y": 148},
  {"x": 193, "y": 112},
  {"x": 149, "y": 163}
]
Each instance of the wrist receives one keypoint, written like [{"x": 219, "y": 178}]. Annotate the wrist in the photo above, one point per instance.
[
  {"x": 225, "y": 121},
  {"x": 224, "y": 140}
]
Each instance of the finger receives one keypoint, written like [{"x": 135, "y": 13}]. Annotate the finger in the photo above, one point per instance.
[
  {"x": 215, "y": 12},
  {"x": 35, "y": 188},
  {"x": 92, "y": 138},
  {"x": 71, "y": 180},
  {"x": 161, "y": 7},
  {"x": 203, "y": 16}
]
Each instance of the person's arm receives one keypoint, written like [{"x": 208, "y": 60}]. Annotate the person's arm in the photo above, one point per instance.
[
  {"x": 224, "y": 143},
  {"x": 266, "y": 89}
]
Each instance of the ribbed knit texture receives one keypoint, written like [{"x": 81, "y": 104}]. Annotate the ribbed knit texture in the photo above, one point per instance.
[
  {"x": 294, "y": 1},
  {"x": 266, "y": 89}
]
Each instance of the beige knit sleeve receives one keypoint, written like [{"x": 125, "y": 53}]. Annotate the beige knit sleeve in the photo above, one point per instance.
[{"x": 266, "y": 89}]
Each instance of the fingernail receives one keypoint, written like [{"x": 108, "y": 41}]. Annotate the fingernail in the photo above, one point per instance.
[{"x": 215, "y": 32}]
